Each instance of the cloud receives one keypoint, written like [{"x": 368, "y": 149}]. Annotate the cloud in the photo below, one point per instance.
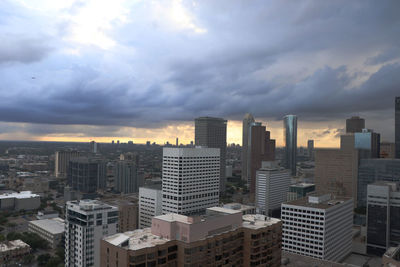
[{"x": 147, "y": 64}]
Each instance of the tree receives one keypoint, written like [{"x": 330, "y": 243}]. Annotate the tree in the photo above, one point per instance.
[
  {"x": 28, "y": 259},
  {"x": 43, "y": 259}
]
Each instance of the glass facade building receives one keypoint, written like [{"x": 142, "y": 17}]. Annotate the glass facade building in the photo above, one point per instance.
[
  {"x": 397, "y": 126},
  {"x": 373, "y": 170},
  {"x": 290, "y": 139}
]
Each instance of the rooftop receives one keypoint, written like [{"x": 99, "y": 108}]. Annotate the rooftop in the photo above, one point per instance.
[
  {"x": 20, "y": 195},
  {"x": 11, "y": 245},
  {"x": 89, "y": 204},
  {"x": 302, "y": 185},
  {"x": 256, "y": 221},
  {"x": 238, "y": 206},
  {"x": 138, "y": 239},
  {"x": 318, "y": 201},
  {"x": 53, "y": 226}
]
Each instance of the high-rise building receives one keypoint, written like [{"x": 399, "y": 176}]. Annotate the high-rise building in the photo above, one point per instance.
[
  {"x": 355, "y": 124},
  {"x": 397, "y": 126},
  {"x": 177, "y": 141},
  {"x": 290, "y": 139},
  {"x": 271, "y": 188},
  {"x": 86, "y": 223},
  {"x": 150, "y": 204},
  {"x": 94, "y": 147},
  {"x": 336, "y": 172},
  {"x": 128, "y": 210},
  {"x": 86, "y": 175},
  {"x": 300, "y": 190},
  {"x": 319, "y": 226},
  {"x": 260, "y": 148},
  {"x": 222, "y": 237},
  {"x": 383, "y": 217},
  {"x": 61, "y": 162},
  {"x": 211, "y": 132},
  {"x": 374, "y": 170},
  {"x": 247, "y": 121},
  {"x": 190, "y": 179},
  {"x": 368, "y": 143},
  {"x": 387, "y": 150},
  {"x": 127, "y": 178},
  {"x": 310, "y": 149}
]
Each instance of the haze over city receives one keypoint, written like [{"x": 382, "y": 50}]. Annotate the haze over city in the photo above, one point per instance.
[{"x": 142, "y": 70}]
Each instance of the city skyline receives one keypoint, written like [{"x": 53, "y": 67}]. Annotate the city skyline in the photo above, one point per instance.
[{"x": 75, "y": 71}]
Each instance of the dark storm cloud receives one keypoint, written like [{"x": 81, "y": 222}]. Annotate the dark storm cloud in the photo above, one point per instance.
[{"x": 320, "y": 60}]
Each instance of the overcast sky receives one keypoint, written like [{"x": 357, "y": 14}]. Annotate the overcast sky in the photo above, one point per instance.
[{"x": 142, "y": 70}]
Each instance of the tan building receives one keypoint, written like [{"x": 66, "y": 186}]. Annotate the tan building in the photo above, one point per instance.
[
  {"x": 61, "y": 162},
  {"x": 10, "y": 251},
  {"x": 128, "y": 208},
  {"x": 222, "y": 237},
  {"x": 387, "y": 150},
  {"x": 336, "y": 170}
]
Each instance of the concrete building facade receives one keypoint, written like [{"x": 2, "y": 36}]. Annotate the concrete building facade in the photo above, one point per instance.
[
  {"x": 355, "y": 124},
  {"x": 150, "y": 204},
  {"x": 222, "y": 237},
  {"x": 86, "y": 223},
  {"x": 271, "y": 188},
  {"x": 11, "y": 251},
  {"x": 23, "y": 200},
  {"x": 211, "y": 132},
  {"x": 86, "y": 175},
  {"x": 190, "y": 179},
  {"x": 397, "y": 126},
  {"x": 127, "y": 178},
  {"x": 51, "y": 230},
  {"x": 319, "y": 226}
]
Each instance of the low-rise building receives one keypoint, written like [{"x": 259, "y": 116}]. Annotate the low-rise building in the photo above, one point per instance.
[
  {"x": 23, "y": 200},
  {"x": 391, "y": 258},
  {"x": 51, "y": 230},
  {"x": 220, "y": 237},
  {"x": 245, "y": 209},
  {"x": 46, "y": 214},
  {"x": 13, "y": 250}
]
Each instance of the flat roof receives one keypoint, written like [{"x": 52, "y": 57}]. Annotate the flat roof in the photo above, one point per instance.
[
  {"x": 326, "y": 204},
  {"x": 256, "y": 221},
  {"x": 20, "y": 195},
  {"x": 302, "y": 185},
  {"x": 138, "y": 239},
  {"x": 11, "y": 245},
  {"x": 53, "y": 226}
]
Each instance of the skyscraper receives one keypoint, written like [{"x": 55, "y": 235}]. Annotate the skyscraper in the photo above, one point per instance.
[
  {"x": 247, "y": 121},
  {"x": 260, "y": 148},
  {"x": 355, "y": 124},
  {"x": 86, "y": 223},
  {"x": 62, "y": 159},
  {"x": 290, "y": 138},
  {"x": 397, "y": 127},
  {"x": 190, "y": 179},
  {"x": 86, "y": 175},
  {"x": 310, "y": 148},
  {"x": 127, "y": 178},
  {"x": 211, "y": 132}
]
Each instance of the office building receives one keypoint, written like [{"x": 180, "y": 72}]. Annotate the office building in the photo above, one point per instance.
[
  {"x": 299, "y": 190},
  {"x": 368, "y": 143},
  {"x": 247, "y": 121},
  {"x": 336, "y": 171},
  {"x": 290, "y": 139},
  {"x": 23, "y": 200},
  {"x": 12, "y": 251},
  {"x": 355, "y": 124},
  {"x": 51, "y": 230},
  {"x": 388, "y": 150},
  {"x": 128, "y": 210},
  {"x": 86, "y": 175},
  {"x": 383, "y": 217},
  {"x": 211, "y": 133},
  {"x": 374, "y": 170},
  {"x": 150, "y": 204},
  {"x": 397, "y": 126},
  {"x": 221, "y": 237},
  {"x": 95, "y": 147},
  {"x": 271, "y": 188},
  {"x": 318, "y": 226},
  {"x": 86, "y": 223},
  {"x": 260, "y": 148},
  {"x": 190, "y": 179},
  {"x": 245, "y": 209},
  {"x": 127, "y": 178},
  {"x": 61, "y": 162},
  {"x": 310, "y": 149}
]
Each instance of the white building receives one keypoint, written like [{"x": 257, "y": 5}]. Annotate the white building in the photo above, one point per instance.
[
  {"x": 245, "y": 209},
  {"x": 86, "y": 223},
  {"x": 318, "y": 226},
  {"x": 150, "y": 204},
  {"x": 51, "y": 230},
  {"x": 190, "y": 179},
  {"x": 23, "y": 200},
  {"x": 272, "y": 185}
]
